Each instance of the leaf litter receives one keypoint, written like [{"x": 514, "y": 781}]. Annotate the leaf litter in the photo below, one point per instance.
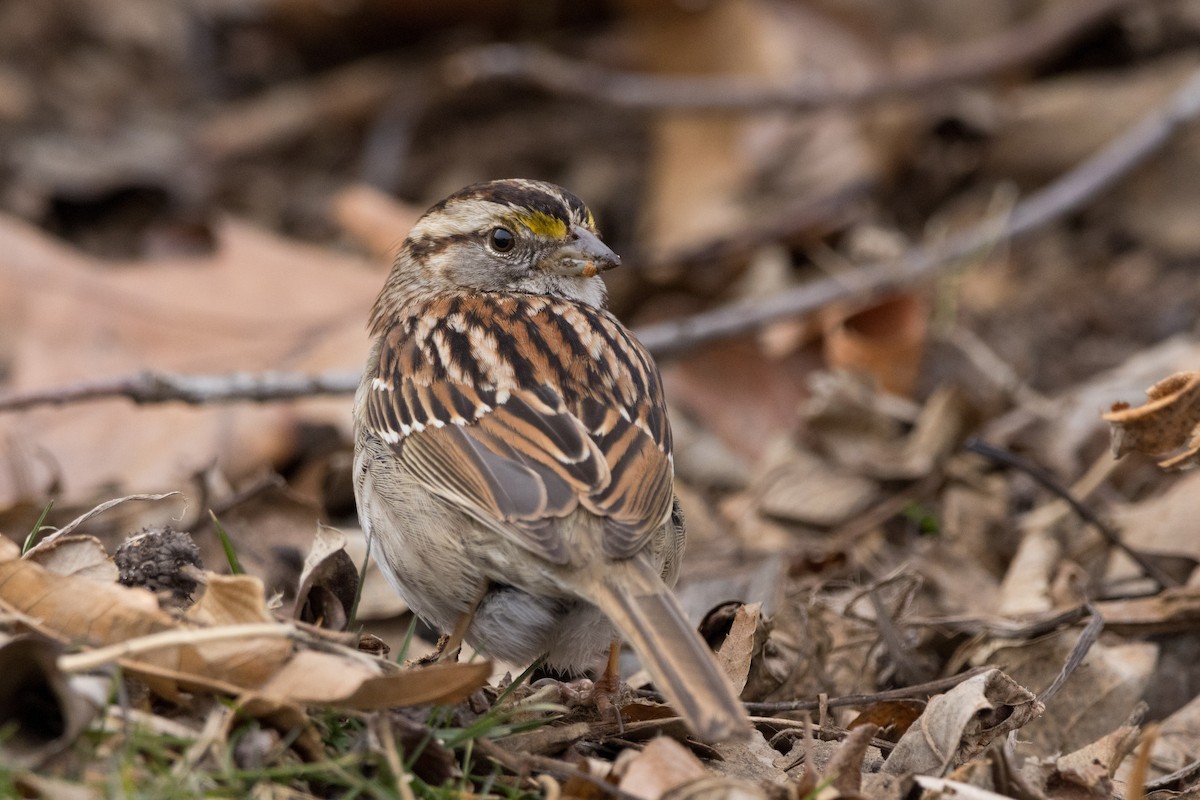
[{"x": 908, "y": 544}]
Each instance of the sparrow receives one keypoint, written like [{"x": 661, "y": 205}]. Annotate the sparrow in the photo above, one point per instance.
[{"x": 513, "y": 466}]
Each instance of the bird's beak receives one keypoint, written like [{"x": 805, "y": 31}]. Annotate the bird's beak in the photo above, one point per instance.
[{"x": 584, "y": 255}]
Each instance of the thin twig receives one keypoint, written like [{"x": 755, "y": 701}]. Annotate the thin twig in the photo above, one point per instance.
[
  {"x": 1048, "y": 482},
  {"x": 665, "y": 340},
  {"x": 1018, "y": 46},
  {"x": 1180, "y": 779},
  {"x": 1002, "y": 628},
  {"x": 1086, "y": 639},
  {"x": 163, "y": 387},
  {"x": 904, "y": 693}
]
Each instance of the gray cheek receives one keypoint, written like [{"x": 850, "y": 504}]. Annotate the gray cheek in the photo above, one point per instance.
[{"x": 479, "y": 268}]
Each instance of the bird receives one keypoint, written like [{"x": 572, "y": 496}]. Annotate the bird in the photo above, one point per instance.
[{"x": 513, "y": 467}]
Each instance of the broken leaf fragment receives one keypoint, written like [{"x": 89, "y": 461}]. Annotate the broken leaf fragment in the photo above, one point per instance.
[{"x": 1169, "y": 420}]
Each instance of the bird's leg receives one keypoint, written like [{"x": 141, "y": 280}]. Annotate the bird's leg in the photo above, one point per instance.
[
  {"x": 608, "y": 685},
  {"x": 448, "y": 647}
]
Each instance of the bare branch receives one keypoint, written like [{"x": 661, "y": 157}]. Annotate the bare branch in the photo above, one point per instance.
[
  {"x": 163, "y": 387},
  {"x": 669, "y": 339},
  {"x": 1066, "y": 194},
  {"x": 1021, "y": 45}
]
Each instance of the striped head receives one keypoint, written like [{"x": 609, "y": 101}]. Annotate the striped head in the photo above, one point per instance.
[{"x": 503, "y": 236}]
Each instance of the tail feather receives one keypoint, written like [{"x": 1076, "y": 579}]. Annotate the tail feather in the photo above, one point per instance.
[{"x": 633, "y": 596}]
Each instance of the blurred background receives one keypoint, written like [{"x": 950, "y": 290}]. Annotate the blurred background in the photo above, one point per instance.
[{"x": 217, "y": 186}]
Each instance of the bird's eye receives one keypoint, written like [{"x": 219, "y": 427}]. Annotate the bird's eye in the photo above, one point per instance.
[{"x": 501, "y": 240}]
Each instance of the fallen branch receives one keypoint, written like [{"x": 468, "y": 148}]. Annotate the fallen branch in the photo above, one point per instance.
[
  {"x": 918, "y": 691},
  {"x": 162, "y": 387},
  {"x": 1066, "y": 194},
  {"x": 1018, "y": 46},
  {"x": 668, "y": 339}
]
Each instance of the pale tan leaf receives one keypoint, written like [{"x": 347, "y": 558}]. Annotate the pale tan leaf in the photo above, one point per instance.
[
  {"x": 76, "y": 555},
  {"x": 738, "y": 649},
  {"x": 1100, "y": 696},
  {"x": 663, "y": 766},
  {"x": 313, "y": 678}
]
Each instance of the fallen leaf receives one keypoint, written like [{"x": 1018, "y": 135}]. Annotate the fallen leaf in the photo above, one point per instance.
[
  {"x": 664, "y": 766},
  {"x": 1094, "y": 765},
  {"x": 890, "y": 718},
  {"x": 234, "y": 600},
  {"x": 313, "y": 678},
  {"x": 328, "y": 583},
  {"x": 83, "y": 556},
  {"x": 962, "y": 722},
  {"x": 1169, "y": 420},
  {"x": 1105, "y": 689},
  {"x": 40, "y": 712},
  {"x": 259, "y": 302},
  {"x": 738, "y": 649},
  {"x": 885, "y": 341}
]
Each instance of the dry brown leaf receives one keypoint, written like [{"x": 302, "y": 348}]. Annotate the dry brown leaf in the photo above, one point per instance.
[
  {"x": 663, "y": 766},
  {"x": 230, "y": 600},
  {"x": 40, "y": 712},
  {"x": 1171, "y": 610},
  {"x": 1026, "y": 588},
  {"x": 313, "y": 678},
  {"x": 233, "y": 600},
  {"x": 328, "y": 583},
  {"x": 846, "y": 767},
  {"x": 77, "y": 608},
  {"x": 1169, "y": 420},
  {"x": 1094, "y": 765},
  {"x": 753, "y": 164},
  {"x": 962, "y": 722},
  {"x": 743, "y": 396},
  {"x": 259, "y": 302},
  {"x": 890, "y": 718},
  {"x": 738, "y": 649},
  {"x": 1178, "y": 743},
  {"x": 885, "y": 341},
  {"x": 83, "y": 556},
  {"x": 1100, "y": 696},
  {"x": 799, "y": 486}
]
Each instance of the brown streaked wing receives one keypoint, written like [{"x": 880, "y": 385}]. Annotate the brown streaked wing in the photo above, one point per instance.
[
  {"x": 638, "y": 498},
  {"x": 528, "y": 460},
  {"x": 516, "y": 499}
]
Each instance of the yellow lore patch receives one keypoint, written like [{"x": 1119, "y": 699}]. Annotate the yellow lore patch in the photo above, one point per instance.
[{"x": 544, "y": 225}]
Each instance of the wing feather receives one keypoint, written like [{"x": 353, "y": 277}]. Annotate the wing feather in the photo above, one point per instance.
[{"x": 519, "y": 449}]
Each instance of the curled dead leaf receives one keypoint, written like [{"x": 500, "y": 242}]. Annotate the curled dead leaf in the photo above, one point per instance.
[
  {"x": 41, "y": 711},
  {"x": 1169, "y": 420},
  {"x": 76, "y": 555},
  {"x": 328, "y": 582},
  {"x": 961, "y": 723}
]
